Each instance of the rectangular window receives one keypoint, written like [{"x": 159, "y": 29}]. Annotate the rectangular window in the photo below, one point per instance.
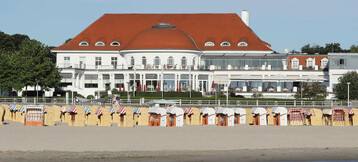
[
  {"x": 309, "y": 63},
  {"x": 338, "y": 115},
  {"x": 114, "y": 62},
  {"x": 91, "y": 85},
  {"x": 66, "y": 62},
  {"x": 341, "y": 63},
  {"x": 82, "y": 62},
  {"x": 295, "y": 115},
  {"x": 98, "y": 62},
  {"x": 294, "y": 64}
]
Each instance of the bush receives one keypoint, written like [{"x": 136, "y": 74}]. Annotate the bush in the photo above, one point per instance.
[
  {"x": 90, "y": 97},
  {"x": 194, "y": 94}
]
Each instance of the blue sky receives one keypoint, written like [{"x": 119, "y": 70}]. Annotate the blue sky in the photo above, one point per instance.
[{"x": 282, "y": 23}]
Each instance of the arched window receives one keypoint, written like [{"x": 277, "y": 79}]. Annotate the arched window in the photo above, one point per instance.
[
  {"x": 225, "y": 44},
  {"x": 144, "y": 60},
  {"x": 209, "y": 44},
  {"x": 115, "y": 43},
  {"x": 183, "y": 62},
  {"x": 83, "y": 43},
  {"x": 99, "y": 44},
  {"x": 170, "y": 62},
  {"x": 242, "y": 44},
  {"x": 156, "y": 61},
  {"x": 132, "y": 61}
]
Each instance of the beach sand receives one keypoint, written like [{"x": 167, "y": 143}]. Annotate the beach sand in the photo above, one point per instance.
[{"x": 188, "y": 143}]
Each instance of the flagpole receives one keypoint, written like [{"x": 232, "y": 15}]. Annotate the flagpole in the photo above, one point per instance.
[
  {"x": 189, "y": 81},
  {"x": 162, "y": 83},
  {"x": 134, "y": 82}
]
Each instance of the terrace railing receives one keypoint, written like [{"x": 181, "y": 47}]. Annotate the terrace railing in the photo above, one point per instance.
[{"x": 198, "y": 103}]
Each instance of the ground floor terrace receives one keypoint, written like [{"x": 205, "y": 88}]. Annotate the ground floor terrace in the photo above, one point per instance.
[{"x": 88, "y": 82}]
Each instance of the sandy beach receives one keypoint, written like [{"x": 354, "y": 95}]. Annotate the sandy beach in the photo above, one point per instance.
[{"x": 188, "y": 143}]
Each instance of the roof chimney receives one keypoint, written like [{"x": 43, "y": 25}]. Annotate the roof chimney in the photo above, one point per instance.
[{"x": 245, "y": 17}]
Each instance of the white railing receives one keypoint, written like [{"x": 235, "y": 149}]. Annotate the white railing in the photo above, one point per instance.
[{"x": 199, "y": 103}]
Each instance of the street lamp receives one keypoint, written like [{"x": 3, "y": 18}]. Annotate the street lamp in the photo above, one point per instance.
[{"x": 348, "y": 83}]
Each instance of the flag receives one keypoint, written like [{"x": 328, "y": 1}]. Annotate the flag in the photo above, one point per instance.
[
  {"x": 158, "y": 86},
  {"x": 140, "y": 87}
]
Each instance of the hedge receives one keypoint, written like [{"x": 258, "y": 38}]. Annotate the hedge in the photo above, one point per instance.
[{"x": 194, "y": 94}]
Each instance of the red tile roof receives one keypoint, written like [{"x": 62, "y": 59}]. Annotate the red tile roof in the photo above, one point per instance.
[
  {"x": 201, "y": 27},
  {"x": 161, "y": 39}
]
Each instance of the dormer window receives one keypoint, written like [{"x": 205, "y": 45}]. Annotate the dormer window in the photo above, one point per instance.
[
  {"x": 99, "y": 44},
  {"x": 242, "y": 44},
  {"x": 209, "y": 44},
  {"x": 115, "y": 43},
  {"x": 225, "y": 44},
  {"x": 83, "y": 43}
]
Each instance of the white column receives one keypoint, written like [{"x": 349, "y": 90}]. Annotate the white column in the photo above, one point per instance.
[
  {"x": 144, "y": 82},
  {"x": 73, "y": 80},
  {"x": 111, "y": 76},
  {"x": 176, "y": 82}
]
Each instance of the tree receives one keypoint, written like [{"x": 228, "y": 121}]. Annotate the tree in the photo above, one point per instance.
[
  {"x": 39, "y": 68},
  {"x": 17, "y": 39},
  {"x": 312, "y": 91},
  {"x": 341, "y": 88},
  {"x": 354, "y": 49},
  {"x": 10, "y": 70},
  {"x": 6, "y": 42},
  {"x": 69, "y": 39},
  {"x": 313, "y": 49}
]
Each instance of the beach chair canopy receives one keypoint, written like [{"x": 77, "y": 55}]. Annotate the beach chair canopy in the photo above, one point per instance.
[
  {"x": 327, "y": 111},
  {"x": 157, "y": 110},
  {"x": 207, "y": 110},
  {"x": 279, "y": 110},
  {"x": 258, "y": 110},
  {"x": 225, "y": 111},
  {"x": 175, "y": 110},
  {"x": 240, "y": 111}
]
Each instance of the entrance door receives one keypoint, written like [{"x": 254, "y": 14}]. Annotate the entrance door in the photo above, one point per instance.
[
  {"x": 203, "y": 86},
  {"x": 257, "y": 119}
]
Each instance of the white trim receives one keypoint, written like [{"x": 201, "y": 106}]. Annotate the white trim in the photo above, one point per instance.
[
  {"x": 310, "y": 59},
  {"x": 243, "y": 44},
  {"x": 297, "y": 61},
  {"x": 222, "y": 44},
  {"x": 158, "y": 51},
  {"x": 112, "y": 44},
  {"x": 209, "y": 44},
  {"x": 235, "y": 51},
  {"x": 83, "y": 51},
  {"x": 80, "y": 44},
  {"x": 100, "y": 43}
]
